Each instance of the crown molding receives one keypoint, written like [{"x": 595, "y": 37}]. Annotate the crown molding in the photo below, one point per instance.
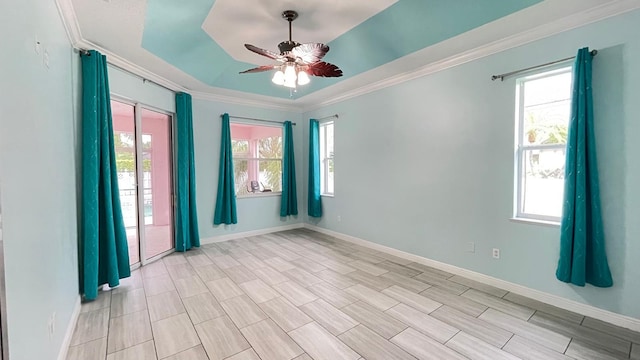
[
  {"x": 546, "y": 30},
  {"x": 245, "y": 99},
  {"x": 134, "y": 69},
  {"x": 70, "y": 21},
  {"x": 326, "y": 97},
  {"x": 72, "y": 27}
]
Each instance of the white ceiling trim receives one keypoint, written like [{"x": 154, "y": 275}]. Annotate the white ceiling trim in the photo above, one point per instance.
[
  {"x": 317, "y": 99},
  {"x": 129, "y": 66},
  {"x": 571, "y": 22},
  {"x": 241, "y": 98},
  {"x": 70, "y": 21}
]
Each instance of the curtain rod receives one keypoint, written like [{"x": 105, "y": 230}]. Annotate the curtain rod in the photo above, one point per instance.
[
  {"x": 502, "y": 76},
  {"x": 248, "y": 118},
  {"x": 329, "y": 117},
  {"x": 144, "y": 80}
]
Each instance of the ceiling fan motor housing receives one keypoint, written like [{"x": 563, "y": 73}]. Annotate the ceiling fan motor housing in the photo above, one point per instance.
[{"x": 287, "y": 46}]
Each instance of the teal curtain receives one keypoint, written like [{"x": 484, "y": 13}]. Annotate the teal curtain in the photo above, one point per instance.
[
  {"x": 104, "y": 254},
  {"x": 314, "y": 201},
  {"x": 289, "y": 199},
  {"x": 583, "y": 258},
  {"x": 186, "y": 232},
  {"x": 226, "y": 200}
]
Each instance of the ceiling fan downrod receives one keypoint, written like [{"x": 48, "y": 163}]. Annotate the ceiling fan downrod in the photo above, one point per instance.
[{"x": 290, "y": 15}]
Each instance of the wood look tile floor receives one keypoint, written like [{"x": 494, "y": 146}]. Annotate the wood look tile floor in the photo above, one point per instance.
[{"x": 304, "y": 295}]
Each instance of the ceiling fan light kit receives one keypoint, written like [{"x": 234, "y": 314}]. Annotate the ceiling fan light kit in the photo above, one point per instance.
[{"x": 299, "y": 61}]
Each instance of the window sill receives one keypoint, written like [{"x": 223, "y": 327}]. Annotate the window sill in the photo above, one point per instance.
[
  {"x": 535, "y": 222},
  {"x": 260, "y": 195},
  {"x": 327, "y": 195}
]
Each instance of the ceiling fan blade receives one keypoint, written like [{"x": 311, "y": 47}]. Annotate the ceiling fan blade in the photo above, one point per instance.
[
  {"x": 310, "y": 53},
  {"x": 324, "y": 69},
  {"x": 264, "y": 52},
  {"x": 260, "y": 69}
]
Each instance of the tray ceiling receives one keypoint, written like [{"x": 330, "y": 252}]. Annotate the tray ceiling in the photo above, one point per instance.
[{"x": 199, "y": 44}]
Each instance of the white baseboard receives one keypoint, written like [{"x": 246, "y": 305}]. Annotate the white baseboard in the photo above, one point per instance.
[
  {"x": 64, "y": 349},
  {"x": 557, "y": 301},
  {"x": 238, "y": 235}
]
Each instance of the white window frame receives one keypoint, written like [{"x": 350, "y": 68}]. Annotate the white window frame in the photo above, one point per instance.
[
  {"x": 257, "y": 159},
  {"x": 520, "y": 148},
  {"x": 325, "y": 157}
]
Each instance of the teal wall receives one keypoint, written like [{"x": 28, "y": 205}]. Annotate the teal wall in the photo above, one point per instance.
[
  {"x": 428, "y": 166},
  {"x": 37, "y": 173},
  {"x": 425, "y": 167},
  {"x": 254, "y": 213}
]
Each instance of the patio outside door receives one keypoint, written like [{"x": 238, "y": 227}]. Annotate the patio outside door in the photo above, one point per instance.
[{"x": 142, "y": 141}]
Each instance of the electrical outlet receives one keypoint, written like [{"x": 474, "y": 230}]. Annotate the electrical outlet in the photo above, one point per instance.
[
  {"x": 496, "y": 253},
  {"x": 339, "y": 218},
  {"x": 471, "y": 247}
]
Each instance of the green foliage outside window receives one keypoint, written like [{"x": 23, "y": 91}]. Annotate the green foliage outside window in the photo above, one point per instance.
[
  {"x": 124, "y": 144},
  {"x": 267, "y": 160},
  {"x": 271, "y": 148}
]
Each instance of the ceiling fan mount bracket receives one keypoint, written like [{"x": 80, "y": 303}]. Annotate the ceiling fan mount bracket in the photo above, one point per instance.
[{"x": 289, "y": 15}]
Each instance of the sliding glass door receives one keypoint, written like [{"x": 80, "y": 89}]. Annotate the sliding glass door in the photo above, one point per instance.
[
  {"x": 142, "y": 141},
  {"x": 156, "y": 167},
  {"x": 124, "y": 142}
]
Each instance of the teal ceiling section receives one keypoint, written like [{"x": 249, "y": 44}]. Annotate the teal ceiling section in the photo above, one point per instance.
[{"x": 173, "y": 32}]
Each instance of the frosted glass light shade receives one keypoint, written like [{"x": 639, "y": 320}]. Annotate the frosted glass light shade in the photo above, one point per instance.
[
  {"x": 278, "y": 78},
  {"x": 303, "y": 78},
  {"x": 290, "y": 76}
]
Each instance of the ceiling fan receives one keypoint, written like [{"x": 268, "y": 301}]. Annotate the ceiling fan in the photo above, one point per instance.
[{"x": 298, "y": 60}]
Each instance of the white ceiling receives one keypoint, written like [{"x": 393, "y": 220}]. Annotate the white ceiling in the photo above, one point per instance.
[{"x": 230, "y": 24}]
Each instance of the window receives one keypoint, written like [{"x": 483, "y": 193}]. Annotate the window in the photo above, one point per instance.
[
  {"x": 543, "y": 111},
  {"x": 257, "y": 158},
  {"x": 326, "y": 158}
]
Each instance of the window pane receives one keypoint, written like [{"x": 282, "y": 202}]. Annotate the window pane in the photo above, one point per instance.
[
  {"x": 252, "y": 143},
  {"x": 543, "y": 181},
  {"x": 547, "y": 89},
  {"x": 547, "y": 123},
  {"x": 240, "y": 148},
  {"x": 270, "y": 176},
  {"x": 270, "y": 147},
  {"x": 330, "y": 176},
  {"x": 329, "y": 140},
  {"x": 326, "y": 157},
  {"x": 241, "y": 176}
]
